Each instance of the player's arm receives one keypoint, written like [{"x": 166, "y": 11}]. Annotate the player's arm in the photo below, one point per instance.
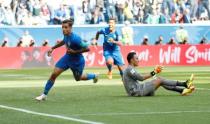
[
  {"x": 97, "y": 36},
  {"x": 135, "y": 75},
  {"x": 54, "y": 47},
  {"x": 116, "y": 42},
  {"x": 71, "y": 51}
]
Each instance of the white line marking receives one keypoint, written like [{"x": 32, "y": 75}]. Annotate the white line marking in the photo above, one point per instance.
[
  {"x": 140, "y": 113},
  {"x": 49, "y": 115},
  {"x": 202, "y": 89}
]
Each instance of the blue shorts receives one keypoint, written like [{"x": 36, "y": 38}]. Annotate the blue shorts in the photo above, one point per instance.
[
  {"x": 76, "y": 64},
  {"x": 116, "y": 56}
]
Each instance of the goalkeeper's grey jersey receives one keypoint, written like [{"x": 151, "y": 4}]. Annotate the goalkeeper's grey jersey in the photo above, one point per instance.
[{"x": 130, "y": 80}]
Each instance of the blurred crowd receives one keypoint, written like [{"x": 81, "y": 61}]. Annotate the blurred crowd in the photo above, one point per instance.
[{"x": 52, "y": 12}]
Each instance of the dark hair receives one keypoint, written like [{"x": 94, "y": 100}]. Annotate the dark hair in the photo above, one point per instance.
[
  {"x": 112, "y": 18},
  {"x": 130, "y": 56},
  {"x": 69, "y": 21}
]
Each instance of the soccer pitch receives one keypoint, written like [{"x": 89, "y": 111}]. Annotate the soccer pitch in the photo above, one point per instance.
[{"x": 71, "y": 102}]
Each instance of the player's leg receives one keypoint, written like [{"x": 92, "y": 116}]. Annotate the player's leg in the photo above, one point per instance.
[
  {"x": 109, "y": 63},
  {"x": 120, "y": 68},
  {"x": 118, "y": 60},
  {"x": 49, "y": 84},
  {"x": 60, "y": 66},
  {"x": 77, "y": 70},
  {"x": 56, "y": 72},
  {"x": 172, "y": 85}
]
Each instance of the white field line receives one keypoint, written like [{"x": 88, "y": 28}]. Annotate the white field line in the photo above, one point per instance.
[
  {"x": 140, "y": 113},
  {"x": 202, "y": 89},
  {"x": 49, "y": 115}
]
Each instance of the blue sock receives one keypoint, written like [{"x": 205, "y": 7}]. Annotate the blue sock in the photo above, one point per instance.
[
  {"x": 48, "y": 86},
  {"x": 90, "y": 76},
  {"x": 121, "y": 73},
  {"x": 109, "y": 66}
]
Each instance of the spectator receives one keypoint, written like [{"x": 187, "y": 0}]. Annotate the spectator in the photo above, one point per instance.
[
  {"x": 45, "y": 43},
  {"x": 45, "y": 12},
  {"x": 159, "y": 41},
  {"x": 32, "y": 43},
  {"x": 172, "y": 41},
  {"x": 186, "y": 16},
  {"x": 20, "y": 43},
  {"x": 27, "y": 39},
  {"x": 145, "y": 41},
  {"x": 204, "y": 4},
  {"x": 97, "y": 16},
  {"x": 2, "y": 14},
  {"x": 193, "y": 8},
  {"x": 120, "y": 12},
  {"x": 5, "y": 42},
  {"x": 60, "y": 15},
  {"x": 203, "y": 41},
  {"x": 154, "y": 17},
  {"x": 140, "y": 18},
  {"x": 181, "y": 35},
  {"x": 110, "y": 8},
  {"x": 127, "y": 34},
  {"x": 9, "y": 18},
  {"x": 128, "y": 13},
  {"x": 28, "y": 19},
  {"x": 164, "y": 17},
  {"x": 177, "y": 17}
]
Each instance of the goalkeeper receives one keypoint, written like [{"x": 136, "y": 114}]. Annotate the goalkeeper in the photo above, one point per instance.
[{"x": 132, "y": 86}]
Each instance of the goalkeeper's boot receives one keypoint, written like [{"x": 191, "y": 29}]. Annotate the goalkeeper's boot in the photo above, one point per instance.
[
  {"x": 187, "y": 91},
  {"x": 189, "y": 82},
  {"x": 109, "y": 75},
  {"x": 41, "y": 97}
]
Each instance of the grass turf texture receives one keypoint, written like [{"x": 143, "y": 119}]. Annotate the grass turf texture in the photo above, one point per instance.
[{"x": 105, "y": 101}]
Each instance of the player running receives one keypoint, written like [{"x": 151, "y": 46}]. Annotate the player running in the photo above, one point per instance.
[
  {"x": 73, "y": 59},
  {"x": 111, "y": 47},
  {"x": 132, "y": 86}
]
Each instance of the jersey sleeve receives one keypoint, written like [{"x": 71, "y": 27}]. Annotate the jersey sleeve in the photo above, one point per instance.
[
  {"x": 102, "y": 31},
  {"x": 135, "y": 75},
  {"x": 81, "y": 43}
]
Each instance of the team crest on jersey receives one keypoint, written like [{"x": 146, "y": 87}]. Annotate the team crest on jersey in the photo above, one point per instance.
[
  {"x": 132, "y": 71},
  {"x": 68, "y": 43}
]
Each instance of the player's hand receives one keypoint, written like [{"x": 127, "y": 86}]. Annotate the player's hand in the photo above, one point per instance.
[
  {"x": 158, "y": 69},
  {"x": 49, "y": 53},
  {"x": 94, "y": 42},
  {"x": 71, "y": 51},
  {"x": 111, "y": 40}
]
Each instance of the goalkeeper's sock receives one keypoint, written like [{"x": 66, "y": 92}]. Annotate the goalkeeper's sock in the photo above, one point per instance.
[
  {"x": 184, "y": 84},
  {"x": 168, "y": 82},
  {"x": 173, "y": 88},
  {"x": 48, "y": 86}
]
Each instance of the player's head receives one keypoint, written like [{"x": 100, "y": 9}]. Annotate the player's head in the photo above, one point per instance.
[
  {"x": 112, "y": 24},
  {"x": 133, "y": 59},
  {"x": 67, "y": 26}
]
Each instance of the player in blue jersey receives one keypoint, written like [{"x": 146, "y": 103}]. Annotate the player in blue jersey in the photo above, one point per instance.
[
  {"x": 73, "y": 59},
  {"x": 111, "y": 47}
]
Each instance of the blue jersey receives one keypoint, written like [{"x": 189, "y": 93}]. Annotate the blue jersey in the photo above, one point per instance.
[
  {"x": 74, "y": 42},
  {"x": 108, "y": 46}
]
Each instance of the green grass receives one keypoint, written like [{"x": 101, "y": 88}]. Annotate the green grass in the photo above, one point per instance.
[{"x": 105, "y": 101}]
